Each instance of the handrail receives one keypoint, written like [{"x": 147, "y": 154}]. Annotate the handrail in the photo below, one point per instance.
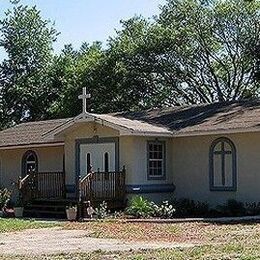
[
  {"x": 23, "y": 180},
  {"x": 86, "y": 177}
]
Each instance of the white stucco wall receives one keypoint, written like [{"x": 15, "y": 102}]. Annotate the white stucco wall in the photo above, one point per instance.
[
  {"x": 133, "y": 154},
  {"x": 190, "y": 166},
  {"x": 49, "y": 159}
]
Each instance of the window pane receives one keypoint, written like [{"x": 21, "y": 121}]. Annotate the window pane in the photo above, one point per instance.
[
  {"x": 228, "y": 170},
  {"x": 227, "y": 147},
  {"x": 31, "y": 158},
  {"x": 217, "y": 172},
  {"x": 217, "y": 147},
  {"x": 159, "y": 164}
]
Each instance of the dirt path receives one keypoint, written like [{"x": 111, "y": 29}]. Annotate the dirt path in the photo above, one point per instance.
[{"x": 57, "y": 240}]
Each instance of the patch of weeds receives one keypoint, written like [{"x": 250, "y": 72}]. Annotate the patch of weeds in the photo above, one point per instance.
[{"x": 8, "y": 225}]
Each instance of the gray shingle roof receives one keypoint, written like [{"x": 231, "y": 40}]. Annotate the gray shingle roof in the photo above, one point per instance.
[
  {"x": 29, "y": 133},
  {"x": 187, "y": 120},
  {"x": 202, "y": 118}
]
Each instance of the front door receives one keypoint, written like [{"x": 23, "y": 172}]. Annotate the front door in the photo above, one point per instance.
[{"x": 98, "y": 156}]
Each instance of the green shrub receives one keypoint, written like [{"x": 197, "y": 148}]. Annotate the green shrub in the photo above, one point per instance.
[
  {"x": 190, "y": 208},
  {"x": 165, "y": 210},
  {"x": 232, "y": 208},
  {"x": 5, "y": 196},
  {"x": 140, "y": 207}
]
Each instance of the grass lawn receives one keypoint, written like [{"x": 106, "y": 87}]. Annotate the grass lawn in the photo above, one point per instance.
[
  {"x": 211, "y": 241},
  {"x": 8, "y": 225}
]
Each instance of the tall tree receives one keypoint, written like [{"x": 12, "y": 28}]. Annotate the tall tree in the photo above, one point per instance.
[
  {"x": 139, "y": 79},
  {"x": 71, "y": 71},
  {"x": 210, "y": 48},
  {"x": 195, "y": 51},
  {"x": 27, "y": 39}
]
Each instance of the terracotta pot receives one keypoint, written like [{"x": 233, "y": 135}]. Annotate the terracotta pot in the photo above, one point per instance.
[
  {"x": 18, "y": 212},
  {"x": 71, "y": 213}
]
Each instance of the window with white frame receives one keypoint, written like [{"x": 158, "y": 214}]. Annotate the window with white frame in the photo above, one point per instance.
[{"x": 156, "y": 159}]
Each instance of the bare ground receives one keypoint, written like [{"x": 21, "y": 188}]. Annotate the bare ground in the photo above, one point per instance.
[{"x": 57, "y": 240}]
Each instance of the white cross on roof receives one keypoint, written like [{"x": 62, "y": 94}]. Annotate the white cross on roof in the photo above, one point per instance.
[{"x": 84, "y": 98}]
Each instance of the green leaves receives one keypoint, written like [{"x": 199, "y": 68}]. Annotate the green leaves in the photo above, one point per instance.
[
  {"x": 27, "y": 39},
  {"x": 194, "y": 52},
  {"x": 212, "y": 57}
]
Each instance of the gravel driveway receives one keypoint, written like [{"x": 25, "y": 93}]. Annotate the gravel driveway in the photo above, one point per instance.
[{"x": 57, "y": 240}]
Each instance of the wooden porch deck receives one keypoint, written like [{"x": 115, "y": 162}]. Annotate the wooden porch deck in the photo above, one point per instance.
[{"x": 45, "y": 192}]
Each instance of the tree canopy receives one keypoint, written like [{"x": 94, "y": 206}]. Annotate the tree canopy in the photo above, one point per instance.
[
  {"x": 192, "y": 52},
  {"x": 25, "y": 84}
]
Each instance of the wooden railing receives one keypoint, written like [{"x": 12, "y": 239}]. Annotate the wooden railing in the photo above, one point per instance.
[
  {"x": 102, "y": 186},
  {"x": 42, "y": 185}
]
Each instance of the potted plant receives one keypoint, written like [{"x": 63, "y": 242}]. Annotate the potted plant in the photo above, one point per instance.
[
  {"x": 71, "y": 212},
  {"x": 5, "y": 196},
  {"x": 18, "y": 208}
]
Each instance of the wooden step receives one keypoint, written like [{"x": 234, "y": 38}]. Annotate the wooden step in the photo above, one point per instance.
[
  {"x": 44, "y": 213},
  {"x": 47, "y": 208}
]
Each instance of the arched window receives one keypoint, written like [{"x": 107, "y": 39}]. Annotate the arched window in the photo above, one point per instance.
[
  {"x": 29, "y": 163},
  {"x": 222, "y": 165}
]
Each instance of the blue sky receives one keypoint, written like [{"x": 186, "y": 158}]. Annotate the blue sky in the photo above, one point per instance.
[{"x": 87, "y": 20}]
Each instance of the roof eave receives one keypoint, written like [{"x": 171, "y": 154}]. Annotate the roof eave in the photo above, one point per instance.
[
  {"x": 145, "y": 133},
  {"x": 217, "y": 132},
  {"x": 31, "y": 145}
]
